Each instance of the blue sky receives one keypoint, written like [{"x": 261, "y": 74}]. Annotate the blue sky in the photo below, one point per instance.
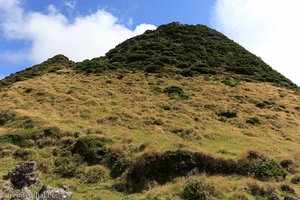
[{"x": 32, "y": 31}]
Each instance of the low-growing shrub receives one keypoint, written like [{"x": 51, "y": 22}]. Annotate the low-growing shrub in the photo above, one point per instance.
[
  {"x": 91, "y": 149},
  {"x": 296, "y": 180},
  {"x": 52, "y": 132},
  {"x": 175, "y": 90},
  {"x": 198, "y": 191},
  {"x": 66, "y": 167},
  {"x": 23, "y": 138},
  {"x": 287, "y": 188},
  {"x": 118, "y": 163},
  {"x": 230, "y": 83},
  {"x": 153, "y": 69},
  {"x": 94, "y": 174},
  {"x": 23, "y": 154},
  {"x": 270, "y": 169},
  {"x": 228, "y": 114},
  {"x": 6, "y": 116},
  {"x": 260, "y": 190},
  {"x": 253, "y": 121},
  {"x": 261, "y": 105}
]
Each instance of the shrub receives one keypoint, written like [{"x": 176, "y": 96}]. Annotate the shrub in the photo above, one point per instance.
[
  {"x": 198, "y": 191},
  {"x": 153, "y": 69},
  {"x": 52, "y": 132},
  {"x": 118, "y": 163},
  {"x": 175, "y": 90},
  {"x": 229, "y": 83},
  {"x": 287, "y": 188},
  {"x": 228, "y": 114},
  {"x": 260, "y": 190},
  {"x": 28, "y": 90},
  {"x": 66, "y": 167},
  {"x": 23, "y": 154},
  {"x": 6, "y": 116},
  {"x": 187, "y": 73},
  {"x": 261, "y": 105},
  {"x": 22, "y": 139},
  {"x": 296, "y": 180},
  {"x": 94, "y": 174},
  {"x": 270, "y": 169},
  {"x": 253, "y": 121},
  {"x": 90, "y": 148}
]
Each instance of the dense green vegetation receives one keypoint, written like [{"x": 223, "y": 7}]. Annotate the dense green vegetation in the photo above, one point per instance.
[
  {"x": 52, "y": 65},
  {"x": 171, "y": 49}
]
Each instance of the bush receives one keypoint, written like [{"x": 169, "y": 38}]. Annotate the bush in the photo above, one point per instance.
[
  {"x": 229, "y": 83},
  {"x": 296, "y": 180},
  {"x": 6, "y": 116},
  {"x": 270, "y": 169},
  {"x": 66, "y": 167},
  {"x": 287, "y": 188},
  {"x": 52, "y": 132},
  {"x": 261, "y": 105},
  {"x": 260, "y": 190},
  {"x": 228, "y": 114},
  {"x": 95, "y": 174},
  {"x": 24, "y": 138},
  {"x": 198, "y": 191},
  {"x": 175, "y": 90},
  {"x": 23, "y": 154},
  {"x": 153, "y": 69},
  {"x": 90, "y": 148},
  {"x": 187, "y": 73},
  {"x": 118, "y": 163},
  {"x": 253, "y": 121}
]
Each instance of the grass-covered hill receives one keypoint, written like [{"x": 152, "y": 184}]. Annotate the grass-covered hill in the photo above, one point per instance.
[{"x": 141, "y": 123}]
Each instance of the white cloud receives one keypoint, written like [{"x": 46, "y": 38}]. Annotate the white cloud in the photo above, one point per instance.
[
  {"x": 52, "y": 33},
  {"x": 268, "y": 28}
]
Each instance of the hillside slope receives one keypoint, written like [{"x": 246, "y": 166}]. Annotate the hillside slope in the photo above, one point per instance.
[{"x": 123, "y": 130}]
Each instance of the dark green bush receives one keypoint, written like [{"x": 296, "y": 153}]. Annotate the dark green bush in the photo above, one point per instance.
[
  {"x": 153, "y": 69},
  {"x": 175, "y": 90},
  {"x": 52, "y": 132},
  {"x": 230, "y": 83},
  {"x": 28, "y": 90},
  {"x": 270, "y": 169},
  {"x": 228, "y": 114},
  {"x": 23, "y": 154},
  {"x": 66, "y": 167},
  {"x": 198, "y": 191},
  {"x": 91, "y": 149},
  {"x": 118, "y": 163},
  {"x": 187, "y": 73},
  {"x": 261, "y": 105},
  {"x": 23, "y": 138}
]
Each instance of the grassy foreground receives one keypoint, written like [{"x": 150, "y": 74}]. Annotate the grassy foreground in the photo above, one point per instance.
[{"x": 135, "y": 114}]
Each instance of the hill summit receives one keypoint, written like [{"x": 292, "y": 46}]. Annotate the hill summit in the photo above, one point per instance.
[{"x": 174, "y": 48}]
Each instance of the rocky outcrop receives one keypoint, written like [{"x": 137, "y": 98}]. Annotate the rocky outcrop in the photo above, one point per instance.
[
  {"x": 49, "y": 193},
  {"x": 25, "y": 194},
  {"x": 24, "y": 175}
]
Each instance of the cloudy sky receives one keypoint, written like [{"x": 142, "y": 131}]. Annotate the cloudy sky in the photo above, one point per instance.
[{"x": 32, "y": 31}]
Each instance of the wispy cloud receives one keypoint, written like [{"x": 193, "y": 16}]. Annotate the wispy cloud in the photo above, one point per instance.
[
  {"x": 52, "y": 33},
  {"x": 70, "y": 4},
  {"x": 268, "y": 28}
]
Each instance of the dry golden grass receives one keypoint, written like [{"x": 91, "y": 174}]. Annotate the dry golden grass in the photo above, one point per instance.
[{"x": 125, "y": 110}]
